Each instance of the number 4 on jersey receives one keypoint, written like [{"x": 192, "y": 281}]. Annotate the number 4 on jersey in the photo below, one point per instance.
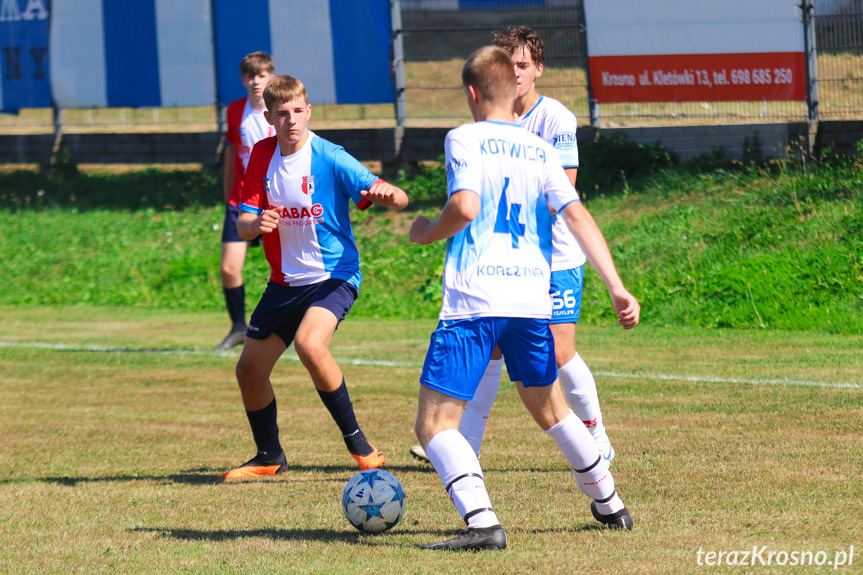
[{"x": 508, "y": 225}]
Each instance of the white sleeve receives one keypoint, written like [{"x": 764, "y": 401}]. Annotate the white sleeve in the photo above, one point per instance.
[
  {"x": 562, "y": 133},
  {"x": 462, "y": 166},
  {"x": 558, "y": 188}
]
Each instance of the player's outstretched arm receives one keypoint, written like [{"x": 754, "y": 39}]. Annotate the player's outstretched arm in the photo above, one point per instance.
[
  {"x": 385, "y": 194},
  {"x": 592, "y": 242},
  {"x": 249, "y": 226},
  {"x": 460, "y": 210}
]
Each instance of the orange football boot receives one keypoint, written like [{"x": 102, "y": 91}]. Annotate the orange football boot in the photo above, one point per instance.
[
  {"x": 371, "y": 461},
  {"x": 258, "y": 468}
]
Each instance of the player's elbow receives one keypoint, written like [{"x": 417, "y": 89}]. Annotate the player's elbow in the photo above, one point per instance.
[
  {"x": 467, "y": 204},
  {"x": 469, "y": 213}
]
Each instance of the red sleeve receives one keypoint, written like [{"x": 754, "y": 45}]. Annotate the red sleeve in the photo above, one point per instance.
[
  {"x": 365, "y": 203},
  {"x": 253, "y": 194},
  {"x": 235, "y": 117}
]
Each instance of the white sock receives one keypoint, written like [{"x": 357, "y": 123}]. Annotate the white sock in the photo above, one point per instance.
[
  {"x": 475, "y": 415},
  {"x": 610, "y": 506},
  {"x": 580, "y": 389},
  {"x": 461, "y": 475},
  {"x": 589, "y": 468}
]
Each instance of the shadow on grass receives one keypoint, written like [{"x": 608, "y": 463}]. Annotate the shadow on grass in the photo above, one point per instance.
[
  {"x": 327, "y": 535},
  {"x": 211, "y": 476},
  {"x": 323, "y": 535}
]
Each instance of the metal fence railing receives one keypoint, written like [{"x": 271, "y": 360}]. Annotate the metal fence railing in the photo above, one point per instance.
[
  {"x": 437, "y": 39},
  {"x": 839, "y": 40}
]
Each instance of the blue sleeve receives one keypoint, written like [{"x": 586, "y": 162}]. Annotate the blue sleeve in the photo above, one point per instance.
[{"x": 351, "y": 175}]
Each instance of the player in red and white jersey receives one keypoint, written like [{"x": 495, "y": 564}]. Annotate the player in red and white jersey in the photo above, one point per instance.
[
  {"x": 246, "y": 126},
  {"x": 296, "y": 195}
]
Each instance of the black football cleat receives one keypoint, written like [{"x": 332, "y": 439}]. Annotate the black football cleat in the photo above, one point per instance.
[
  {"x": 233, "y": 339},
  {"x": 491, "y": 538},
  {"x": 418, "y": 453},
  {"x": 619, "y": 520}
]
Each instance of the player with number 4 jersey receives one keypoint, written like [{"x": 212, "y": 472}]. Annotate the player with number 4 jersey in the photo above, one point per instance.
[
  {"x": 505, "y": 273},
  {"x": 551, "y": 121},
  {"x": 501, "y": 181}
]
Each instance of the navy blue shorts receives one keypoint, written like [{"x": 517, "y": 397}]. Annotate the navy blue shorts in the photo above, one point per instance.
[
  {"x": 460, "y": 349},
  {"x": 282, "y": 308},
  {"x": 229, "y": 227}
]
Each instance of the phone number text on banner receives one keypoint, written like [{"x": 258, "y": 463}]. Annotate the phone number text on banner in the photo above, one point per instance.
[{"x": 699, "y": 77}]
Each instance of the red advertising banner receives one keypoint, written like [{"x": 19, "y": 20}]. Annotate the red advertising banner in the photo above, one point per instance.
[{"x": 699, "y": 77}]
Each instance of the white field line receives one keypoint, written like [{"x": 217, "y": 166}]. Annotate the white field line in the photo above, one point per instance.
[{"x": 290, "y": 356}]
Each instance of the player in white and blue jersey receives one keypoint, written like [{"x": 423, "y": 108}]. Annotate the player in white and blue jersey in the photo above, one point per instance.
[
  {"x": 501, "y": 181},
  {"x": 554, "y": 123},
  {"x": 296, "y": 195}
]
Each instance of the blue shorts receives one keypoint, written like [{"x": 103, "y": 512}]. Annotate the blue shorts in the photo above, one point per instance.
[
  {"x": 282, "y": 308},
  {"x": 460, "y": 350},
  {"x": 566, "y": 286},
  {"x": 229, "y": 227}
]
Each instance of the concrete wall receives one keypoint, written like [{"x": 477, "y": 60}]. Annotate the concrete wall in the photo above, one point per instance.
[
  {"x": 392, "y": 146},
  {"x": 689, "y": 141}
]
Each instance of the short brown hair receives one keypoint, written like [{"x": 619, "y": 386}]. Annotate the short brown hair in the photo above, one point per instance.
[
  {"x": 515, "y": 37},
  {"x": 490, "y": 71},
  {"x": 257, "y": 62},
  {"x": 283, "y": 89}
]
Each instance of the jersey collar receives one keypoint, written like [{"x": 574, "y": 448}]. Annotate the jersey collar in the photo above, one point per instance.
[{"x": 535, "y": 106}]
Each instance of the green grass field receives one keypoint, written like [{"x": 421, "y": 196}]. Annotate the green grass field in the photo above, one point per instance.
[{"x": 116, "y": 423}]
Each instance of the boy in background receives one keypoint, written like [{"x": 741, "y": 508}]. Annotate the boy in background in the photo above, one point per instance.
[{"x": 246, "y": 126}]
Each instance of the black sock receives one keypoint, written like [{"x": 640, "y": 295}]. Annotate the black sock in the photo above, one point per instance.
[
  {"x": 339, "y": 404},
  {"x": 266, "y": 431},
  {"x": 235, "y": 301}
]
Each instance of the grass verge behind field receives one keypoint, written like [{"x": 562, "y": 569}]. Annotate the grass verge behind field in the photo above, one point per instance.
[
  {"x": 111, "y": 459},
  {"x": 714, "y": 245}
]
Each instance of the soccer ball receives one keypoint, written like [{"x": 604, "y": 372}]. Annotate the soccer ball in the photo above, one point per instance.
[{"x": 373, "y": 500}]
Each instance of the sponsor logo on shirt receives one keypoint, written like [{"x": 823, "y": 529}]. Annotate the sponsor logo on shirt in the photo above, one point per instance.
[
  {"x": 266, "y": 184},
  {"x": 303, "y": 212},
  {"x": 510, "y": 271},
  {"x": 454, "y": 167},
  {"x": 309, "y": 183},
  {"x": 564, "y": 141},
  {"x": 514, "y": 150}
]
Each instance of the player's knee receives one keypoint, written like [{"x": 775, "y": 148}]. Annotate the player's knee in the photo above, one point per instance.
[
  {"x": 564, "y": 355},
  {"x": 423, "y": 430},
  {"x": 418, "y": 431},
  {"x": 230, "y": 273},
  {"x": 310, "y": 350},
  {"x": 245, "y": 372}
]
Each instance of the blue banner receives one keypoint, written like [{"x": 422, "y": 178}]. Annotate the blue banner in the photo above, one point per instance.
[
  {"x": 340, "y": 49},
  {"x": 167, "y": 53},
  {"x": 25, "y": 81}
]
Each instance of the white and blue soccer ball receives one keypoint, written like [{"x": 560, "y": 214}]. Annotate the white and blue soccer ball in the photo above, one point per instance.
[{"x": 373, "y": 500}]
